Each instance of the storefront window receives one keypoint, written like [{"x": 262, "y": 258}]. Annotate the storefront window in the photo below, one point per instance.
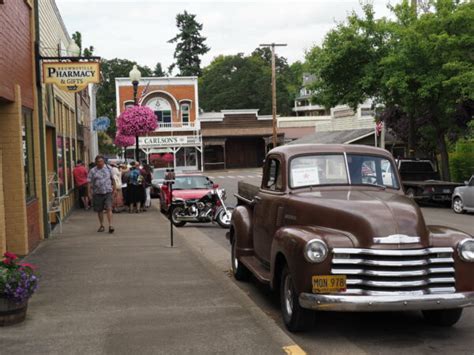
[
  {"x": 67, "y": 159},
  {"x": 28, "y": 153},
  {"x": 60, "y": 151}
]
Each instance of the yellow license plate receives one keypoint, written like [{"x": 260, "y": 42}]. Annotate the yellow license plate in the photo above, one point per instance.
[{"x": 329, "y": 283}]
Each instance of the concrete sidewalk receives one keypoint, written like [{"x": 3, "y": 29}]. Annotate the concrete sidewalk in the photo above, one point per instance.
[{"x": 129, "y": 292}]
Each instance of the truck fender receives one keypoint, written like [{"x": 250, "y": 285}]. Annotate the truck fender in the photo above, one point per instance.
[
  {"x": 288, "y": 248},
  {"x": 241, "y": 230}
]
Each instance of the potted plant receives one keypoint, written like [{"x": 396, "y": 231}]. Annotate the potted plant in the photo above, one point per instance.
[{"x": 18, "y": 282}]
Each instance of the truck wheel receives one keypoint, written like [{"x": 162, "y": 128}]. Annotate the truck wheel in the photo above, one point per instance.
[
  {"x": 295, "y": 317},
  {"x": 240, "y": 272},
  {"x": 223, "y": 219},
  {"x": 458, "y": 206},
  {"x": 443, "y": 317},
  {"x": 411, "y": 193},
  {"x": 174, "y": 215}
]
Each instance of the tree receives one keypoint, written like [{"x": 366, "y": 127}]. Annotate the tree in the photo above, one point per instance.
[
  {"x": 88, "y": 51},
  {"x": 420, "y": 67},
  {"x": 242, "y": 82},
  {"x": 189, "y": 45},
  {"x": 158, "y": 71}
]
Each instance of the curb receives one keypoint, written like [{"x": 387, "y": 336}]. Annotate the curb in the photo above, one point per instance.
[{"x": 215, "y": 259}]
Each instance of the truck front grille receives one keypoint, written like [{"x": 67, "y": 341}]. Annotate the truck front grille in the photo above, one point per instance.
[{"x": 388, "y": 272}]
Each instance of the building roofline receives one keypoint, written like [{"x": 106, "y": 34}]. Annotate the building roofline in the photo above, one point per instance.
[{"x": 60, "y": 18}]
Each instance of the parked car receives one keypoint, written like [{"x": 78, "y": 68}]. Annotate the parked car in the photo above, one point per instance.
[
  {"x": 422, "y": 183},
  {"x": 185, "y": 187},
  {"x": 333, "y": 231},
  {"x": 463, "y": 197},
  {"x": 157, "y": 181}
]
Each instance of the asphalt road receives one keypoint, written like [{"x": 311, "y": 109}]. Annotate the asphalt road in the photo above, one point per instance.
[{"x": 373, "y": 333}]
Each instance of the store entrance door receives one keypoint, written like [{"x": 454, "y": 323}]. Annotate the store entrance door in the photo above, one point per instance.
[{"x": 186, "y": 159}]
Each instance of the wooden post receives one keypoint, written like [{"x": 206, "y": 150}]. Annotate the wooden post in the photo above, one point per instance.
[{"x": 274, "y": 109}]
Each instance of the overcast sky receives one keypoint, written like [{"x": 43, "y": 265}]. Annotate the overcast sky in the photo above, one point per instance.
[{"x": 139, "y": 29}]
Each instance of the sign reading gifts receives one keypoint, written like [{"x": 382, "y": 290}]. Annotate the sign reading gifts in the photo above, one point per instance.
[
  {"x": 71, "y": 77},
  {"x": 148, "y": 142}
]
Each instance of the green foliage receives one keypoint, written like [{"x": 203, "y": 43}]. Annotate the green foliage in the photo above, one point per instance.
[
  {"x": 158, "y": 71},
  {"x": 86, "y": 52},
  {"x": 242, "y": 82},
  {"x": 422, "y": 65},
  {"x": 461, "y": 161},
  {"x": 189, "y": 45},
  {"x": 106, "y": 98}
]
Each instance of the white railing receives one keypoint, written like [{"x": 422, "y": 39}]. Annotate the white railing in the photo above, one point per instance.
[{"x": 182, "y": 126}]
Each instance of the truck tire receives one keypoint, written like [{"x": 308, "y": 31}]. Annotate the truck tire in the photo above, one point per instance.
[
  {"x": 240, "y": 272},
  {"x": 295, "y": 317},
  {"x": 443, "y": 317},
  {"x": 174, "y": 212}
]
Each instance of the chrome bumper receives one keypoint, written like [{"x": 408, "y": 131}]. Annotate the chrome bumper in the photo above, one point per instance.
[{"x": 354, "y": 303}]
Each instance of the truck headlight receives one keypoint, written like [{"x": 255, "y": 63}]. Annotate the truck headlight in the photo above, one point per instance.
[
  {"x": 466, "y": 250},
  {"x": 315, "y": 251}
]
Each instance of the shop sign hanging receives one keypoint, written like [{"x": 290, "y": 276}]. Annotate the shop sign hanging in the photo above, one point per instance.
[
  {"x": 71, "y": 76},
  {"x": 101, "y": 124}
]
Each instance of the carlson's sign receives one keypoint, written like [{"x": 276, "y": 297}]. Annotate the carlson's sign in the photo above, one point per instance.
[
  {"x": 147, "y": 142},
  {"x": 71, "y": 77}
]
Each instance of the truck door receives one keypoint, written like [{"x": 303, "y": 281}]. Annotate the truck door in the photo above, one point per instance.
[{"x": 267, "y": 204}]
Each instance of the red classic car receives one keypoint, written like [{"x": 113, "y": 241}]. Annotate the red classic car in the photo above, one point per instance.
[{"x": 186, "y": 187}]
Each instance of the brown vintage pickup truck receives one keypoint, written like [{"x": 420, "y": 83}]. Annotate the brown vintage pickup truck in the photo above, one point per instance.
[{"x": 333, "y": 232}]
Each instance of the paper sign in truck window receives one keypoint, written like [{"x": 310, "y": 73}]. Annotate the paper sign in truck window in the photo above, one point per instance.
[{"x": 304, "y": 176}]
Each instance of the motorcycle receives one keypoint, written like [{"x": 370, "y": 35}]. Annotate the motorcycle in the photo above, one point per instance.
[{"x": 207, "y": 209}]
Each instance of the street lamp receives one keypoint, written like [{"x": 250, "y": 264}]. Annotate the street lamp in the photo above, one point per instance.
[{"x": 135, "y": 77}]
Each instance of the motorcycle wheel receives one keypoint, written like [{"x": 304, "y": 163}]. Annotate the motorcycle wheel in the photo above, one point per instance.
[
  {"x": 223, "y": 219},
  {"x": 174, "y": 215}
]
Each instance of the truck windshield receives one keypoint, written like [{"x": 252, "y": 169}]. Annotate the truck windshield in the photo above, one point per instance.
[{"x": 331, "y": 169}]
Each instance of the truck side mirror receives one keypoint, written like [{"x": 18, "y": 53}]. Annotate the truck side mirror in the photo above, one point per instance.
[{"x": 466, "y": 183}]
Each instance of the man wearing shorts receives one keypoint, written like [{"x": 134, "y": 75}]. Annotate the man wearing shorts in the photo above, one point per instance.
[
  {"x": 80, "y": 181},
  {"x": 102, "y": 186}
]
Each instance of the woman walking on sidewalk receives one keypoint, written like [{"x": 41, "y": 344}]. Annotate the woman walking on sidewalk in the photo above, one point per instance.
[
  {"x": 147, "y": 178},
  {"x": 102, "y": 185}
]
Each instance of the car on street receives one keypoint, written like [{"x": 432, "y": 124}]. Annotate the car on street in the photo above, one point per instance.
[
  {"x": 422, "y": 183},
  {"x": 463, "y": 197},
  {"x": 331, "y": 228},
  {"x": 187, "y": 186},
  {"x": 158, "y": 177}
]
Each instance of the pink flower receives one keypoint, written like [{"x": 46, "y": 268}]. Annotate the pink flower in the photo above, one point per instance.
[
  {"x": 28, "y": 265},
  {"x": 136, "y": 121},
  {"x": 10, "y": 256},
  {"x": 122, "y": 140}
]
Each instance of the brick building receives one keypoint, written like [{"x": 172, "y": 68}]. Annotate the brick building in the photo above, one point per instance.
[
  {"x": 21, "y": 222},
  {"x": 175, "y": 103}
]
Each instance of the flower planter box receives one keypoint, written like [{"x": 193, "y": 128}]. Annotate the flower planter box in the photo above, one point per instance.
[{"x": 12, "y": 313}]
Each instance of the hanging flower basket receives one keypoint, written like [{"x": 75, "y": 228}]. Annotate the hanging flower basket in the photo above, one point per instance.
[
  {"x": 136, "y": 121},
  {"x": 123, "y": 140},
  {"x": 18, "y": 282}
]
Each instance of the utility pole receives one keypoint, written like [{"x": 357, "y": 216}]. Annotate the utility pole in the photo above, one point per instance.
[
  {"x": 412, "y": 114},
  {"x": 274, "y": 107}
]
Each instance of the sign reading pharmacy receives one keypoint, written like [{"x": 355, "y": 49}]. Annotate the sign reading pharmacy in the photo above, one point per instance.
[
  {"x": 150, "y": 142},
  {"x": 71, "y": 77}
]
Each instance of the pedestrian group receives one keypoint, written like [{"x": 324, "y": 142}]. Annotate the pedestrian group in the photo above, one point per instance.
[{"x": 112, "y": 188}]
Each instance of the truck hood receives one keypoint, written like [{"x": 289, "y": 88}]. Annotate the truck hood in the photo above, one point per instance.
[{"x": 368, "y": 216}]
